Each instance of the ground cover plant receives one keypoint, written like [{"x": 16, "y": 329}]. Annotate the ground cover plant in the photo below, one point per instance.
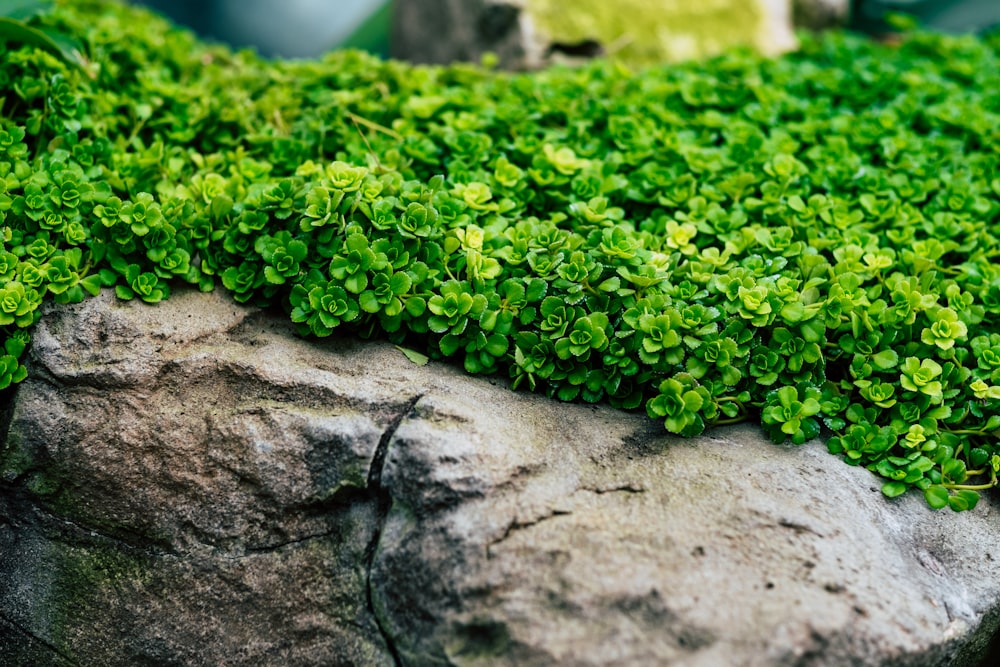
[{"x": 809, "y": 241}]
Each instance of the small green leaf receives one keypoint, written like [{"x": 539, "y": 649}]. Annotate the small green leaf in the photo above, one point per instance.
[
  {"x": 496, "y": 345},
  {"x": 963, "y": 500},
  {"x": 416, "y": 306},
  {"x": 14, "y": 347},
  {"x": 893, "y": 489},
  {"x": 978, "y": 457},
  {"x": 92, "y": 284},
  {"x": 108, "y": 277},
  {"x": 12, "y": 30},
  {"x": 449, "y": 344},
  {"x": 936, "y": 496},
  {"x": 885, "y": 360},
  {"x": 414, "y": 356}
]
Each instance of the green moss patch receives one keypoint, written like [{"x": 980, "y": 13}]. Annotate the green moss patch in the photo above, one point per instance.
[{"x": 653, "y": 31}]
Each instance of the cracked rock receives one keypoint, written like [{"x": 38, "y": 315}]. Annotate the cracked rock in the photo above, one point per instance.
[
  {"x": 586, "y": 537},
  {"x": 191, "y": 484},
  {"x": 187, "y": 485}
]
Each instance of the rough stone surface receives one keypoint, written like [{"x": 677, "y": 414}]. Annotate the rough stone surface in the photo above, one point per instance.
[
  {"x": 183, "y": 485},
  {"x": 190, "y": 484},
  {"x": 534, "y": 33}
]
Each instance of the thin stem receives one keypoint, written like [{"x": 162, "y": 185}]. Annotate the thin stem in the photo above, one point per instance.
[
  {"x": 733, "y": 420},
  {"x": 970, "y": 487},
  {"x": 372, "y": 125}
]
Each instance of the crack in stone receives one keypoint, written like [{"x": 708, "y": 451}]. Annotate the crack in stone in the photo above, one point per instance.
[
  {"x": 86, "y": 533},
  {"x": 271, "y": 548},
  {"x": 947, "y": 611},
  {"x": 383, "y": 500},
  {"x": 71, "y": 378},
  {"x": 32, "y": 636},
  {"x": 516, "y": 525},
  {"x": 929, "y": 562},
  {"x": 798, "y": 528},
  {"x": 624, "y": 488}
]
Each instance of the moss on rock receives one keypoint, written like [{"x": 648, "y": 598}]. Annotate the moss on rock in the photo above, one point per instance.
[
  {"x": 85, "y": 582},
  {"x": 649, "y": 31}
]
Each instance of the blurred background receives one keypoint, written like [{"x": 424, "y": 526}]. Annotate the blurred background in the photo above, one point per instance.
[
  {"x": 946, "y": 15},
  {"x": 307, "y": 28},
  {"x": 284, "y": 28}
]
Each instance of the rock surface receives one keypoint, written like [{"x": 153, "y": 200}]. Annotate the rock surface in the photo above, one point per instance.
[
  {"x": 190, "y": 484},
  {"x": 527, "y": 34}
]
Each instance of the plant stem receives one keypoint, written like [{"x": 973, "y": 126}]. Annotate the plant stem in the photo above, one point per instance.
[
  {"x": 970, "y": 487},
  {"x": 372, "y": 125}
]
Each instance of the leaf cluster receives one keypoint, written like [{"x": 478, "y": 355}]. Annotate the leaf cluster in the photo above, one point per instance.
[{"x": 809, "y": 241}]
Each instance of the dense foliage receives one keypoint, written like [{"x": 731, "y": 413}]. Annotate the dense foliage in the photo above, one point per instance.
[{"x": 809, "y": 241}]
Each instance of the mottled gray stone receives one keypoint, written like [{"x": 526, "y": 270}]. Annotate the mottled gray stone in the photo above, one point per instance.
[
  {"x": 182, "y": 485},
  {"x": 443, "y": 31},
  {"x": 191, "y": 484},
  {"x": 592, "y": 540}
]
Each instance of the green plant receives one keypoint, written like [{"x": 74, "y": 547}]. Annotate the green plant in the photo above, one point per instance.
[{"x": 809, "y": 241}]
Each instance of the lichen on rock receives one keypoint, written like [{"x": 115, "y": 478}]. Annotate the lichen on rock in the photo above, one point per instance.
[{"x": 650, "y": 31}]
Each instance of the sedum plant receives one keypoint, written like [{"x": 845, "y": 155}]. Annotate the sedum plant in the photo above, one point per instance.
[{"x": 810, "y": 242}]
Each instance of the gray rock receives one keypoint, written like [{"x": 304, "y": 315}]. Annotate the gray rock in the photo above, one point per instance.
[
  {"x": 190, "y": 484},
  {"x": 443, "y": 31},
  {"x": 182, "y": 485}
]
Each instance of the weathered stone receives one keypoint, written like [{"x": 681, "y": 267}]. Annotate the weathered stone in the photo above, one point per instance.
[
  {"x": 592, "y": 540},
  {"x": 533, "y": 33},
  {"x": 182, "y": 486},
  {"x": 190, "y": 484}
]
